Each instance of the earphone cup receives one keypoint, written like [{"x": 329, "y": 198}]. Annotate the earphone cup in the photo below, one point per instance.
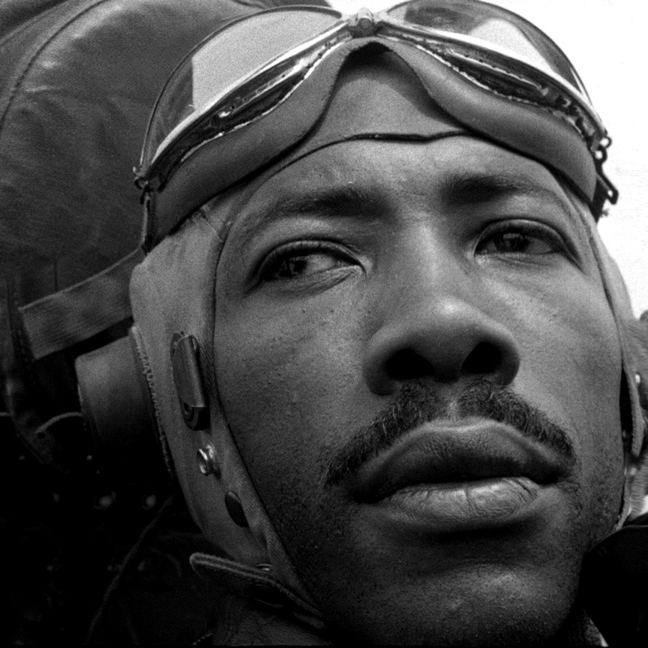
[{"x": 118, "y": 410}]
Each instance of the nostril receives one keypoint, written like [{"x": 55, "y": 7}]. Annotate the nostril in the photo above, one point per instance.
[
  {"x": 484, "y": 359},
  {"x": 443, "y": 347},
  {"x": 407, "y": 365}
]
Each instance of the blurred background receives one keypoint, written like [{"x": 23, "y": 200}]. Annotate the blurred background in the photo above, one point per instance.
[{"x": 606, "y": 42}]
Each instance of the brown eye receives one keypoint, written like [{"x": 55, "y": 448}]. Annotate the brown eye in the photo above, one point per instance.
[
  {"x": 304, "y": 260},
  {"x": 515, "y": 243},
  {"x": 303, "y": 265},
  {"x": 521, "y": 239}
]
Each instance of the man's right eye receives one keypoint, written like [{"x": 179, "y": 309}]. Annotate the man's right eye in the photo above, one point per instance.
[
  {"x": 300, "y": 266},
  {"x": 303, "y": 261}
]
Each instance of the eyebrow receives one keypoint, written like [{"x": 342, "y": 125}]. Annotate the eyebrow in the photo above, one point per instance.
[
  {"x": 457, "y": 190},
  {"x": 464, "y": 190},
  {"x": 344, "y": 201}
]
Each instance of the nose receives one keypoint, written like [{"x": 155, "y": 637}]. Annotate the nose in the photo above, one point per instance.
[{"x": 435, "y": 327}]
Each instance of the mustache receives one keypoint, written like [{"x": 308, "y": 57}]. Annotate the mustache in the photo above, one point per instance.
[{"x": 417, "y": 404}]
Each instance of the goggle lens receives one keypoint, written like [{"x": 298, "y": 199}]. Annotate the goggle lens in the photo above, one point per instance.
[
  {"x": 494, "y": 27},
  {"x": 228, "y": 57}
]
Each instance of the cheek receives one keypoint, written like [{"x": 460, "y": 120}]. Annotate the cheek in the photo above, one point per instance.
[
  {"x": 289, "y": 382},
  {"x": 571, "y": 369}
]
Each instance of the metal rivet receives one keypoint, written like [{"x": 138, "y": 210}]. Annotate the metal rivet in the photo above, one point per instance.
[
  {"x": 637, "y": 379},
  {"x": 235, "y": 509},
  {"x": 207, "y": 463},
  {"x": 148, "y": 502},
  {"x": 104, "y": 502},
  {"x": 363, "y": 24}
]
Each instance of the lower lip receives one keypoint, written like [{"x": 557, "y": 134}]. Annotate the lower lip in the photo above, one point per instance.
[{"x": 465, "y": 506}]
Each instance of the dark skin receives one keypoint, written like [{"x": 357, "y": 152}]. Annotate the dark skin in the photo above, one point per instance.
[{"x": 369, "y": 270}]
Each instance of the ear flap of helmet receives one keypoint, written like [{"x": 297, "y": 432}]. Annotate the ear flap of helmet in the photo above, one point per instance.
[{"x": 118, "y": 409}]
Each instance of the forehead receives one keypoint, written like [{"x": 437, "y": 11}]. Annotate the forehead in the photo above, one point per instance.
[
  {"x": 446, "y": 155},
  {"x": 457, "y": 172}
]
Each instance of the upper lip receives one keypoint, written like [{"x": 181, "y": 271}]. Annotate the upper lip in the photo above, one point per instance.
[{"x": 455, "y": 452}]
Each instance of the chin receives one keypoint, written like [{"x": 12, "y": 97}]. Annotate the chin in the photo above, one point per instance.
[{"x": 494, "y": 610}]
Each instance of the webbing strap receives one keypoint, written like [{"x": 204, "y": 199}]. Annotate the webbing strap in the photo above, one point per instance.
[{"x": 79, "y": 312}]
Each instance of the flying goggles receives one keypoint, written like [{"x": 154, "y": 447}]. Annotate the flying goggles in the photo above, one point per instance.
[{"x": 255, "y": 88}]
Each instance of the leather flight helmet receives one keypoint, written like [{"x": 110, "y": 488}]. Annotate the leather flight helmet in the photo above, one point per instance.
[{"x": 79, "y": 79}]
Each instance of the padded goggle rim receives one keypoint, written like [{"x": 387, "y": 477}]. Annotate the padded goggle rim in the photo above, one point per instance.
[
  {"x": 152, "y": 160},
  {"x": 224, "y": 161}
]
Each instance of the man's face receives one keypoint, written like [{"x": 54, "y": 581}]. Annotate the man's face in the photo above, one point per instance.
[{"x": 417, "y": 360}]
